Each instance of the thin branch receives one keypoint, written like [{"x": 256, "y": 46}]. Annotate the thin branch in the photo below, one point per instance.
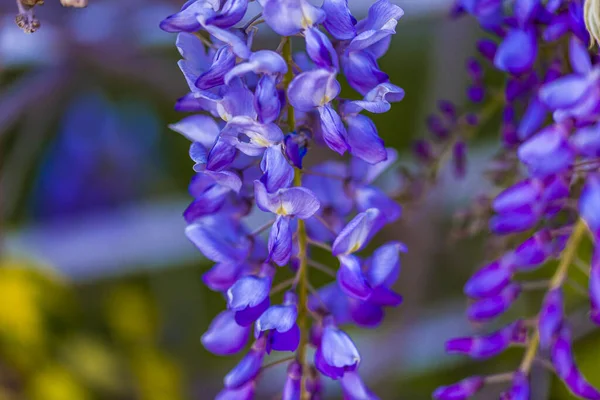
[{"x": 321, "y": 267}]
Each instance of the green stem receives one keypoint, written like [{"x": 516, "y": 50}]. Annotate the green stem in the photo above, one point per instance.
[
  {"x": 559, "y": 277},
  {"x": 303, "y": 283}
]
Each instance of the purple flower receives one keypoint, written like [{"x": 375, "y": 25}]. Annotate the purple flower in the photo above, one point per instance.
[
  {"x": 224, "y": 335},
  {"x": 588, "y": 204},
  {"x": 336, "y": 354},
  {"x": 517, "y": 53},
  {"x": 248, "y": 297},
  {"x": 459, "y": 391},
  {"x": 482, "y": 347},
  {"x": 490, "y": 307},
  {"x": 489, "y": 280},
  {"x": 280, "y": 322},
  {"x": 289, "y": 17},
  {"x": 354, "y": 388}
]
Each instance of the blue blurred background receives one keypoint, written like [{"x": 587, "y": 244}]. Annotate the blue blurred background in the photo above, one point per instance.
[{"x": 100, "y": 291}]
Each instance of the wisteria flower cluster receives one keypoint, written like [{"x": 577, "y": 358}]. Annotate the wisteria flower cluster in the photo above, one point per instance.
[
  {"x": 550, "y": 148},
  {"x": 257, "y": 112}
]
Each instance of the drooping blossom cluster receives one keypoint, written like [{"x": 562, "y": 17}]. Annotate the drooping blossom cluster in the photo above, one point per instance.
[
  {"x": 256, "y": 113},
  {"x": 548, "y": 194}
]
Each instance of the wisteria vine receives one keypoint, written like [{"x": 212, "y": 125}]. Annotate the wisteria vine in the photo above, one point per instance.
[
  {"x": 548, "y": 194},
  {"x": 257, "y": 112}
]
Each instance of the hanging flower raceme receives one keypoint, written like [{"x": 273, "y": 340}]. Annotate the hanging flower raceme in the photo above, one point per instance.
[
  {"x": 256, "y": 113},
  {"x": 553, "y": 196}
]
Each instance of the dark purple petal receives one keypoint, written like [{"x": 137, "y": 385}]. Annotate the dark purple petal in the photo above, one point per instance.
[
  {"x": 296, "y": 146},
  {"x": 223, "y": 61},
  {"x": 354, "y": 388},
  {"x": 289, "y": 17},
  {"x": 247, "y": 316},
  {"x": 285, "y": 341},
  {"x": 363, "y": 140},
  {"x": 320, "y": 49},
  {"x": 295, "y": 201},
  {"x": 313, "y": 89},
  {"x": 490, "y": 307},
  {"x": 487, "y": 48},
  {"x": 248, "y": 368},
  {"x": 517, "y": 53},
  {"x": 266, "y": 99},
  {"x": 355, "y": 235},
  {"x": 461, "y": 390},
  {"x": 339, "y": 22},
  {"x": 351, "y": 278},
  {"x": 224, "y": 336},
  {"x": 260, "y": 62},
  {"x": 208, "y": 203},
  {"x": 333, "y": 130},
  {"x": 365, "y": 314},
  {"x": 220, "y": 156}
]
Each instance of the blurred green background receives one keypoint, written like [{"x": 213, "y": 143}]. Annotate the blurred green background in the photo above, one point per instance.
[{"x": 100, "y": 292}]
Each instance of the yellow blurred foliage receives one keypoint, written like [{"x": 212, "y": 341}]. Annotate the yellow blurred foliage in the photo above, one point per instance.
[
  {"x": 55, "y": 382},
  {"x": 131, "y": 315},
  {"x": 158, "y": 376}
]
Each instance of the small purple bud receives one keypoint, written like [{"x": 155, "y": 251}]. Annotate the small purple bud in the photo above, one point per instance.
[
  {"x": 487, "y": 48},
  {"x": 291, "y": 389},
  {"x": 489, "y": 280},
  {"x": 471, "y": 119},
  {"x": 476, "y": 93},
  {"x": 459, "y": 153},
  {"x": 519, "y": 389},
  {"x": 474, "y": 70},
  {"x": 588, "y": 204},
  {"x": 423, "y": 151},
  {"x": 491, "y": 307},
  {"x": 436, "y": 126},
  {"x": 448, "y": 109},
  {"x": 551, "y": 317},
  {"x": 249, "y": 367},
  {"x": 461, "y": 390},
  {"x": 482, "y": 347}
]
